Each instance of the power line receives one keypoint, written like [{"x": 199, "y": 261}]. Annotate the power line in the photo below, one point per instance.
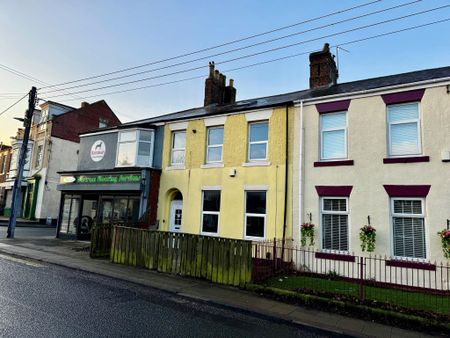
[
  {"x": 4, "y": 111},
  {"x": 237, "y": 49},
  {"x": 217, "y": 46},
  {"x": 277, "y": 59},
  {"x": 257, "y": 53}
]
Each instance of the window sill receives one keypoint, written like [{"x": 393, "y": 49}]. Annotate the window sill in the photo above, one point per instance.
[
  {"x": 176, "y": 167},
  {"x": 209, "y": 234},
  {"x": 335, "y": 256},
  {"x": 256, "y": 164},
  {"x": 254, "y": 239},
  {"x": 408, "y": 159},
  {"x": 410, "y": 264},
  {"x": 211, "y": 165},
  {"x": 333, "y": 163}
]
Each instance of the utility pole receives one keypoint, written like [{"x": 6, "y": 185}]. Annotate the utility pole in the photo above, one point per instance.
[{"x": 21, "y": 164}]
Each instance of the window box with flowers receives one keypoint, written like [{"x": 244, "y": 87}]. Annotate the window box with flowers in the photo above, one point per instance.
[{"x": 368, "y": 235}]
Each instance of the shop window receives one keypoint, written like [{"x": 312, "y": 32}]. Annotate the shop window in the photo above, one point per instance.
[
  {"x": 135, "y": 148},
  {"x": 211, "y": 212},
  {"x": 255, "y": 214}
]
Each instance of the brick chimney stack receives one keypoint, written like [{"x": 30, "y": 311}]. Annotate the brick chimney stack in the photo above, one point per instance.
[
  {"x": 84, "y": 104},
  {"x": 215, "y": 90},
  {"x": 323, "y": 70}
]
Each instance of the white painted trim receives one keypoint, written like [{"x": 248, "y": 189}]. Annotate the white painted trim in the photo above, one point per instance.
[
  {"x": 175, "y": 167},
  {"x": 256, "y": 188},
  {"x": 376, "y": 92},
  {"x": 105, "y": 132},
  {"x": 212, "y": 187},
  {"x": 212, "y": 165},
  {"x": 256, "y": 164},
  {"x": 258, "y": 115},
  {"x": 215, "y": 121},
  {"x": 178, "y": 126}
]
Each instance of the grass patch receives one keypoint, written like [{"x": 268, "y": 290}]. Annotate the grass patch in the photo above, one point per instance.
[{"x": 340, "y": 289}]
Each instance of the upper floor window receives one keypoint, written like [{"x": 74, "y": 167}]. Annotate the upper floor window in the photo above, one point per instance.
[
  {"x": 39, "y": 156},
  {"x": 408, "y": 227},
  {"x": 178, "y": 147},
  {"x": 258, "y": 141},
  {"x": 334, "y": 221},
  {"x": 102, "y": 123},
  {"x": 214, "y": 145},
  {"x": 333, "y": 136},
  {"x": 3, "y": 164},
  {"x": 135, "y": 148},
  {"x": 404, "y": 129}
]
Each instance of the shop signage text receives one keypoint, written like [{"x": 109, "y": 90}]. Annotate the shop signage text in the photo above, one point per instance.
[{"x": 90, "y": 179}]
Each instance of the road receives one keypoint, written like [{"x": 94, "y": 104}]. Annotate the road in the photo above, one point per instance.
[
  {"x": 27, "y": 230},
  {"x": 43, "y": 300}
]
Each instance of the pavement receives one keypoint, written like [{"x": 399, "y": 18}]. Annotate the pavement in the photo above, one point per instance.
[{"x": 75, "y": 255}]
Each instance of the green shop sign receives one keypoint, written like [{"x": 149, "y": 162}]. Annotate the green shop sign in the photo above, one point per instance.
[{"x": 92, "y": 179}]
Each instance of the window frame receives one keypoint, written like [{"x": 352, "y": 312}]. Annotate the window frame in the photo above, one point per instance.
[
  {"x": 419, "y": 130},
  {"x": 136, "y": 142},
  {"x": 254, "y": 238},
  {"x": 321, "y": 130},
  {"x": 422, "y": 216},
  {"x": 206, "y": 233},
  {"x": 249, "y": 143},
  {"x": 327, "y": 212},
  {"x": 172, "y": 149},
  {"x": 208, "y": 146}
]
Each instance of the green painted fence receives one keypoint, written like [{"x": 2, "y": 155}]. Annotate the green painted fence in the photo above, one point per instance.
[{"x": 220, "y": 260}]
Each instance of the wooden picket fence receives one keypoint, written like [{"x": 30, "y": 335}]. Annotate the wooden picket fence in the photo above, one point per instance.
[
  {"x": 101, "y": 237},
  {"x": 220, "y": 260}
]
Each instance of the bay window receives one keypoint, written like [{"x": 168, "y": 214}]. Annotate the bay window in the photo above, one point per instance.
[{"x": 135, "y": 148}]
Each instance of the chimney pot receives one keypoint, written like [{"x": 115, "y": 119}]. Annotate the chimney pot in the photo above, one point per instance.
[
  {"x": 231, "y": 83},
  {"x": 211, "y": 69}
]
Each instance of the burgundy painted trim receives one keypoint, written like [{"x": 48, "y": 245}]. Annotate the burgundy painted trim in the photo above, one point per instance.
[
  {"x": 330, "y": 107},
  {"x": 407, "y": 190},
  {"x": 410, "y": 159},
  {"x": 403, "y": 97},
  {"x": 334, "y": 191},
  {"x": 410, "y": 264},
  {"x": 335, "y": 257},
  {"x": 333, "y": 163}
]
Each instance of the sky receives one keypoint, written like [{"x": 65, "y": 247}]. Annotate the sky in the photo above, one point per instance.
[{"x": 60, "y": 41}]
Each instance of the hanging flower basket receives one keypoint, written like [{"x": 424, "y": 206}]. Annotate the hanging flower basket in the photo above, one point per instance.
[
  {"x": 445, "y": 239},
  {"x": 367, "y": 235},
  {"x": 307, "y": 230}
]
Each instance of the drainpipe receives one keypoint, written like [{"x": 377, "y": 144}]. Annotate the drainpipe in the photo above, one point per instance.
[
  {"x": 285, "y": 181},
  {"x": 301, "y": 173}
]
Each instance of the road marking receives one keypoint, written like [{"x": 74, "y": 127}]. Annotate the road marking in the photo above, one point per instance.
[{"x": 21, "y": 261}]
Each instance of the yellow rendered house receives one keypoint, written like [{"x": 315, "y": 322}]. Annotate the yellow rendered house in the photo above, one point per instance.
[{"x": 226, "y": 166}]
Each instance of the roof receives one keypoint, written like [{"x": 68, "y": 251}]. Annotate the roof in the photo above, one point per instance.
[
  {"x": 282, "y": 99},
  {"x": 56, "y": 103}
]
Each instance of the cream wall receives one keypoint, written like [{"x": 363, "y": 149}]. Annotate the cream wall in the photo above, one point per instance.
[
  {"x": 367, "y": 146},
  {"x": 193, "y": 178}
]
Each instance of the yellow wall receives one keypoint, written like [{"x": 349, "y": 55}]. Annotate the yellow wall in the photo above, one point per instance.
[{"x": 193, "y": 178}]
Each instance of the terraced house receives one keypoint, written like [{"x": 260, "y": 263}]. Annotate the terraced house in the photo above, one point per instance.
[{"x": 225, "y": 165}]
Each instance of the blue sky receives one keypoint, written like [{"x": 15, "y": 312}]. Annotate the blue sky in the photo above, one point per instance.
[{"x": 58, "y": 41}]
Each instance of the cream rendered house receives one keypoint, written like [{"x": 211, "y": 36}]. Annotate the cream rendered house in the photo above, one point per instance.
[{"x": 377, "y": 148}]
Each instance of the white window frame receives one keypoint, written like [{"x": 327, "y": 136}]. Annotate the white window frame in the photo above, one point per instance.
[
  {"x": 172, "y": 149},
  {"x": 254, "y": 238},
  {"x": 329, "y": 212},
  {"x": 418, "y": 121},
  {"x": 210, "y": 213},
  {"x": 266, "y": 142},
  {"x": 322, "y": 131},
  {"x": 422, "y": 215},
  {"x": 3, "y": 168},
  {"x": 136, "y": 144},
  {"x": 39, "y": 162},
  {"x": 208, "y": 146}
]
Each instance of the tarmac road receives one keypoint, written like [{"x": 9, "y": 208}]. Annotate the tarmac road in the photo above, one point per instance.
[{"x": 43, "y": 300}]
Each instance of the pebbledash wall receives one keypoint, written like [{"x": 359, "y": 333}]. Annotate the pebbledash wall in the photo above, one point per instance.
[
  {"x": 367, "y": 168},
  {"x": 195, "y": 176}
]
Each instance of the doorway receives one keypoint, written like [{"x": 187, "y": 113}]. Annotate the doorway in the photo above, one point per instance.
[{"x": 176, "y": 215}]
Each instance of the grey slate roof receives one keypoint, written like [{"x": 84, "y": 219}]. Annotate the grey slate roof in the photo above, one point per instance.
[{"x": 278, "y": 100}]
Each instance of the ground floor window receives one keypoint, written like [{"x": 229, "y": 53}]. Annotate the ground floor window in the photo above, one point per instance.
[
  {"x": 211, "y": 211},
  {"x": 334, "y": 219},
  {"x": 80, "y": 212},
  {"x": 255, "y": 214},
  {"x": 408, "y": 227}
]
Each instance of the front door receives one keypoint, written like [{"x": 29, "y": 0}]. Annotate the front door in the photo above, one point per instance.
[{"x": 176, "y": 214}]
